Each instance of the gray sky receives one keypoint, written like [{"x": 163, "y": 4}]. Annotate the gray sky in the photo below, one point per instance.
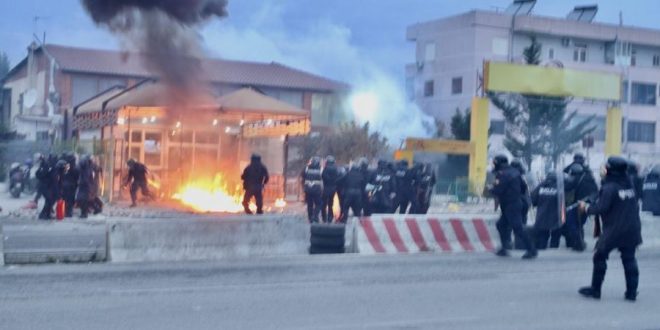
[
  {"x": 284, "y": 30},
  {"x": 361, "y": 42}
]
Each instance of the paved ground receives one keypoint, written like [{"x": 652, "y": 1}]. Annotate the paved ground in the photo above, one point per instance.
[{"x": 329, "y": 292}]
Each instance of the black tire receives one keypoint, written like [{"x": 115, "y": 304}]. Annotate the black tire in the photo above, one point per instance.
[
  {"x": 328, "y": 230},
  {"x": 327, "y": 242},
  {"x": 325, "y": 250}
]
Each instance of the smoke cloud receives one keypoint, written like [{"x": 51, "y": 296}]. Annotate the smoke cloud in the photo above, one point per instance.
[
  {"x": 328, "y": 48},
  {"x": 166, "y": 31}
]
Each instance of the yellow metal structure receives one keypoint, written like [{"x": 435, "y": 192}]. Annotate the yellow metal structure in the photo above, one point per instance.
[
  {"x": 479, "y": 125},
  {"x": 547, "y": 81},
  {"x": 613, "y": 131}
]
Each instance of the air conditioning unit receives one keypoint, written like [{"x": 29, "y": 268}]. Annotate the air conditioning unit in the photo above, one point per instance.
[{"x": 565, "y": 41}]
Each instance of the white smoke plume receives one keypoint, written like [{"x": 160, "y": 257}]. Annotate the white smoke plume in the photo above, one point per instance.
[{"x": 325, "y": 48}]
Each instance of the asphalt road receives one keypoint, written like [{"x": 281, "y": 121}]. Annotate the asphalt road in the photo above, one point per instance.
[{"x": 462, "y": 291}]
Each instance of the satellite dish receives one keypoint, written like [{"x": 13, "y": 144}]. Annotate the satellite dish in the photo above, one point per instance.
[{"x": 30, "y": 98}]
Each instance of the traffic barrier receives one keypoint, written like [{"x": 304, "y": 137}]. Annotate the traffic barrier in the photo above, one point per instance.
[
  {"x": 387, "y": 234},
  {"x": 53, "y": 242},
  {"x": 208, "y": 239}
]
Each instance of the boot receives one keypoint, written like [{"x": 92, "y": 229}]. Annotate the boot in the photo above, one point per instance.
[
  {"x": 632, "y": 280},
  {"x": 590, "y": 292},
  {"x": 530, "y": 254},
  {"x": 502, "y": 252}
]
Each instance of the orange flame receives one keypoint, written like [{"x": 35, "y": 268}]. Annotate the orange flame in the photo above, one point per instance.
[{"x": 209, "y": 196}]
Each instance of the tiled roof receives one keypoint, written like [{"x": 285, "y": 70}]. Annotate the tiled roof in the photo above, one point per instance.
[{"x": 219, "y": 71}]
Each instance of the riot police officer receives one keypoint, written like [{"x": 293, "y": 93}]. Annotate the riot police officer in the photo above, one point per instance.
[
  {"x": 507, "y": 189},
  {"x": 86, "y": 185},
  {"x": 424, "y": 184},
  {"x": 312, "y": 182},
  {"x": 330, "y": 175},
  {"x": 137, "y": 179},
  {"x": 383, "y": 193},
  {"x": 581, "y": 186},
  {"x": 363, "y": 165},
  {"x": 255, "y": 177},
  {"x": 353, "y": 184},
  {"x": 545, "y": 199},
  {"x": 621, "y": 228},
  {"x": 70, "y": 183},
  {"x": 651, "y": 191},
  {"x": 404, "y": 186}
]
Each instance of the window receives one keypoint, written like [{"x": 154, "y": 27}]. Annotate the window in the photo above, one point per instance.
[
  {"x": 656, "y": 60},
  {"x": 633, "y": 58},
  {"x": 639, "y": 131},
  {"x": 551, "y": 54},
  {"x": 497, "y": 127},
  {"x": 580, "y": 53},
  {"x": 457, "y": 85},
  {"x": 429, "y": 52},
  {"x": 599, "y": 122},
  {"x": 410, "y": 88},
  {"x": 642, "y": 93},
  {"x": 429, "y": 87},
  {"x": 152, "y": 148},
  {"x": 42, "y": 136},
  {"x": 625, "y": 91}
]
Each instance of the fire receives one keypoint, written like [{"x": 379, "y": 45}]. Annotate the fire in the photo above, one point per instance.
[
  {"x": 209, "y": 196},
  {"x": 280, "y": 203}
]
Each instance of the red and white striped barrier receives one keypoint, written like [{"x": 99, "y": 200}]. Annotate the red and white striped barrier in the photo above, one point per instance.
[{"x": 387, "y": 234}]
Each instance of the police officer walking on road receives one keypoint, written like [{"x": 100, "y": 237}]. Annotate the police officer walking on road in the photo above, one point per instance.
[
  {"x": 255, "y": 177},
  {"x": 313, "y": 187},
  {"x": 618, "y": 208},
  {"x": 507, "y": 189},
  {"x": 545, "y": 199},
  {"x": 353, "y": 184},
  {"x": 330, "y": 175},
  {"x": 405, "y": 191}
]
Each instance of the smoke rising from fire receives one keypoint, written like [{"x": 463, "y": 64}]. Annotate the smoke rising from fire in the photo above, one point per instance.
[
  {"x": 166, "y": 31},
  {"x": 327, "y": 48}
]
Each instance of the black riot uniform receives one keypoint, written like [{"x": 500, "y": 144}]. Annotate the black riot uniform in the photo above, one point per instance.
[
  {"x": 330, "y": 176},
  {"x": 545, "y": 199},
  {"x": 353, "y": 184},
  {"x": 381, "y": 196},
  {"x": 255, "y": 177},
  {"x": 95, "y": 201},
  {"x": 525, "y": 199},
  {"x": 405, "y": 190},
  {"x": 621, "y": 228},
  {"x": 70, "y": 184},
  {"x": 363, "y": 165},
  {"x": 49, "y": 177},
  {"x": 507, "y": 189},
  {"x": 580, "y": 186},
  {"x": 86, "y": 185},
  {"x": 424, "y": 183},
  {"x": 136, "y": 178},
  {"x": 312, "y": 182},
  {"x": 651, "y": 191}
]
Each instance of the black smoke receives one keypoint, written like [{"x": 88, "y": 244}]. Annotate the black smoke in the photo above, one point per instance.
[{"x": 165, "y": 33}]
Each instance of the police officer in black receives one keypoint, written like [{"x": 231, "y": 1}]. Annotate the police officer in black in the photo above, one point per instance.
[
  {"x": 405, "y": 191},
  {"x": 86, "y": 185},
  {"x": 507, "y": 189},
  {"x": 621, "y": 228},
  {"x": 312, "y": 182},
  {"x": 70, "y": 184},
  {"x": 353, "y": 185},
  {"x": 367, "y": 174},
  {"x": 49, "y": 185},
  {"x": 330, "y": 175},
  {"x": 255, "y": 177},
  {"x": 137, "y": 179},
  {"x": 384, "y": 191},
  {"x": 424, "y": 184},
  {"x": 581, "y": 186},
  {"x": 651, "y": 191},
  {"x": 545, "y": 199}
]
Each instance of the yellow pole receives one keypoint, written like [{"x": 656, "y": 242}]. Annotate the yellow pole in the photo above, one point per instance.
[
  {"x": 479, "y": 124},
  {"x": 613, "y": 131}
]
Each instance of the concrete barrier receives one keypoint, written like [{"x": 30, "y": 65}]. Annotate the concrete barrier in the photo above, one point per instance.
[
  {"x": 384, "y": 234},
  {"x": 54, "y": 242},
  {"x": 450, "y": 233},
  {"x": 207, "y": 239}
]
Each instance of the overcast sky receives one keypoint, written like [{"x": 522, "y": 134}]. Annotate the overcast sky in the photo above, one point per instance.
[
  {"x": 287, "y": 30},
  {"x": 360, "y": 42}
]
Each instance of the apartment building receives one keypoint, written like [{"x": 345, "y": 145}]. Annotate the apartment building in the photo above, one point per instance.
[{"x": 450, "y": 53}]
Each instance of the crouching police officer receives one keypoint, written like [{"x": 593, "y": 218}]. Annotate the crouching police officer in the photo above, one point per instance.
[{"x": 618, "y": 208}]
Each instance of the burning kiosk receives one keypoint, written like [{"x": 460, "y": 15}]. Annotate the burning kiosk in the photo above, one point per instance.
[{"x": 196, "y": 152}]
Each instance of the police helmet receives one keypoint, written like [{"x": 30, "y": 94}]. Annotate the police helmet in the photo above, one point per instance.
[
  {"x": 314, "y": 161},
  {"x": 579, "y": 158},
  {"x": 499, "y": 161},
  {"x": 330, "y": 159},
  {"x": 576, "y": 169},
  {"x": 616, "y": 165},
  {"x": 518, "y": 165}
]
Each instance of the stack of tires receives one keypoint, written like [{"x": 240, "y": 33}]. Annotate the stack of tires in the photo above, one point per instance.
[{"x": 327, "y": 238}]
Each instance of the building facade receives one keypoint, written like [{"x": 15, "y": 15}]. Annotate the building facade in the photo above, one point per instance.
[
  {"x": 40, "y": 92},
  {"x": 450, "y": 53}
]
